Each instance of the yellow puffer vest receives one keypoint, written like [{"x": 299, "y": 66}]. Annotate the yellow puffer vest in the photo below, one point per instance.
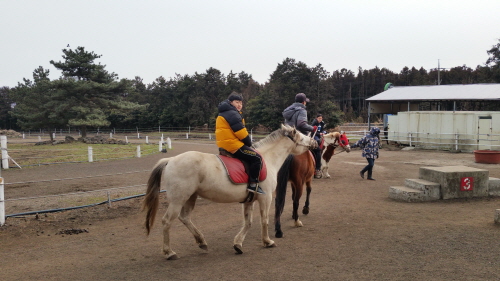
[{"x": 229, "y": 128}]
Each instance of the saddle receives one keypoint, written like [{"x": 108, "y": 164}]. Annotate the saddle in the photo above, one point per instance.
[{"x": 236, "y": 169}]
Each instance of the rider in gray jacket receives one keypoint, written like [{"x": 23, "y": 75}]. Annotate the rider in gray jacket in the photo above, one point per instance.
[{"x": 296, "y": 114}]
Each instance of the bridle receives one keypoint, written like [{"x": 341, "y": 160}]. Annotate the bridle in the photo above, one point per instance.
[
  {"x": 299, "y": 144},
  {"x": 338, "y": 142}
]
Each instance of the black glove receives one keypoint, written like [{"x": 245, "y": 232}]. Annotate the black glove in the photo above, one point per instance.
[{"x": 247, "y": 141}]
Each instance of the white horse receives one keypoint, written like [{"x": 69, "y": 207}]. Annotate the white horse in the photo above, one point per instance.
[
  {"x": 331, "y": 141},
  {"x": 208, "y": 179}
]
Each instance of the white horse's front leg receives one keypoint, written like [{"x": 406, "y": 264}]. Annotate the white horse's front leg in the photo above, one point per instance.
[
  {"x": 265, "y": 205},
  {"x": 324, "y": 170},
  {"x": 247, "y": 223}
]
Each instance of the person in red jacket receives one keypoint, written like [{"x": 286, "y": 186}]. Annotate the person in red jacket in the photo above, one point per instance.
[{"x": 232, "y": 135}]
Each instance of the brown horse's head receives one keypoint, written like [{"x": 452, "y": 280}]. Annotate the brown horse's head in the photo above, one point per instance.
[{"x": 337, "y": 139}]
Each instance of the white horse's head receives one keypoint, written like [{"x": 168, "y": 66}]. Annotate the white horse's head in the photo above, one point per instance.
[
  {"x": 337, "y": 139},
  {"x": 302, "y": 142}
]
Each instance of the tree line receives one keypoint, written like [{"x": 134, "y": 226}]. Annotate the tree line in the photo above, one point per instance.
[{"x": 88, "y": 96}]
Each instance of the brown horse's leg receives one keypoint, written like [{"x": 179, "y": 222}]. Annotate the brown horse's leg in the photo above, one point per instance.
[
  {"x": 305, "y": 210},
  {"x": 296, "y": 194},
  {"x": 185, "y": 218}
]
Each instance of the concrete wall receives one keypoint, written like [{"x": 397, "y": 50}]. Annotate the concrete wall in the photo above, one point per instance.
[{"x": 447, "y": 129}]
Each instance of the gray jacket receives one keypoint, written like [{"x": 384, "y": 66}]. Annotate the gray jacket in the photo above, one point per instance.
[{"x": 296, "y": 116}]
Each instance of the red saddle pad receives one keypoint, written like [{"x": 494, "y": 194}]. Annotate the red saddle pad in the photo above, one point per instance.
[{"x": 236, "y": 171}]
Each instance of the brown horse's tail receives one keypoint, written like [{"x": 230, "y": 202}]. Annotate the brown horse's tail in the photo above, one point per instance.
[
  {"x": 151, "y": 200},
  {"x": 283, "y": 176}
]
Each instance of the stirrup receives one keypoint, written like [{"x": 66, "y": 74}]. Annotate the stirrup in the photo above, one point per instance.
[{"x": 258, "y": 190}]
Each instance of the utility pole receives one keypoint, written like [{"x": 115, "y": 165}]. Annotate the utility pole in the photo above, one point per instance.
[{"x": 439, "y": 70}]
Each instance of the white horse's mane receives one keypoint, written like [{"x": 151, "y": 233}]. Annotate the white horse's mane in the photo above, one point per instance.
[{"x": 272, "y": 136}]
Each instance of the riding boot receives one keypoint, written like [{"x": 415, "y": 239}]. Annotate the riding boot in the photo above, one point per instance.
[
  {"x": 370, "y": 176},
  {"x": 254, "y": 187},
  {"x": 362, "y": 172}
]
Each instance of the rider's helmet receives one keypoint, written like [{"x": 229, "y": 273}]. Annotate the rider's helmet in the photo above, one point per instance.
[{"x": 374, "y": 131}]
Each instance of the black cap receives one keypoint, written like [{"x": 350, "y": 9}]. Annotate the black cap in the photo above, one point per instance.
[
  {"x": 235, "y": 96},
  {"x": 301, "y": 97}
]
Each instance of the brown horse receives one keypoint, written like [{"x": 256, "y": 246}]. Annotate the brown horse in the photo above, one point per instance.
[{"x": 299, "y": 170}]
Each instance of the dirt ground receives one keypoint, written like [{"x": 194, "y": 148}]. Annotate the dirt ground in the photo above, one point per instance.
[{"x": 353, "y": 231}]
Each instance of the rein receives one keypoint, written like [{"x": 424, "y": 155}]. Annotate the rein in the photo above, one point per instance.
[
  {"x": 336, "y": 144},
  {"x": 297, "y": 144}
]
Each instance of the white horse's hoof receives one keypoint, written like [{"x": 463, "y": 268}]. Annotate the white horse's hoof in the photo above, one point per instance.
[
  {"x": 271, "y": 244},
  {"x": 298, "y": 223},
  {"x": 238, "y": 249},
  {"x": 173, "y": 257}
]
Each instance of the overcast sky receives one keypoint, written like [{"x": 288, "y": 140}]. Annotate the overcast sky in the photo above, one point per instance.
[{"x": 161, "y": 38}]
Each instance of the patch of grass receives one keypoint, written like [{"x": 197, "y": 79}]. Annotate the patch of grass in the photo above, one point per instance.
[{"x": 28, "y": 154}]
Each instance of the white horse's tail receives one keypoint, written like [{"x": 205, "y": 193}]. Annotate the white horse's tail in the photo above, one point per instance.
[{"x": 151, "y": 200}]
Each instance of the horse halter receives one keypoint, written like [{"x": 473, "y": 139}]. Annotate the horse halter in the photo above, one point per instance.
[
  {"x": 299, "y": 144},
  {"x": 343, "y": 141}
]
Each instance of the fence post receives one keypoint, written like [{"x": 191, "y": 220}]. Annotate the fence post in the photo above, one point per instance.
[
  {"x": 126, "y": 139},
  {"x": 5, "y": 155},
  {"x": 147, "y": 139},
  {"x": 169, "y": 143},
  {"x": 109, "y": 200},
  {"x": 456, "y": 141},
  {"x": 138, "y": 151},
  {"x": 187, "y": 136},
  {"x": 160, "y": 146},
  {"x": 2, "y": 203},
  {"x": 111, "y": 135},
  {"x": 91, "y": 156},
  {"x": 409, "y": 135}
]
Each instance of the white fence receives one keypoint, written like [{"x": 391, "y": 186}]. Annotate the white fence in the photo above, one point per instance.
[
  {"x": 25, "y": 206},
  {"x": 448, "y": 142}
]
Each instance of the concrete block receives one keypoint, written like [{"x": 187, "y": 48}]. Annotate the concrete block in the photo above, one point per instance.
[
  {"x": 494, "y": 186},
  {"x": 408, "y": 194},
  {"x": 458, "y": 181},
  {"x": 430, "y": 189}
]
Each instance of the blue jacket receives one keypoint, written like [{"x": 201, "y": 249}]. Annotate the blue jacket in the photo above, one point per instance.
[
  {"x": 321, "y": 128},
  {"x": 369, "y": 144}
]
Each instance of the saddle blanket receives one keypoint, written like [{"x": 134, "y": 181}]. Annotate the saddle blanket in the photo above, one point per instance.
[{"x": 236, "y": 170}]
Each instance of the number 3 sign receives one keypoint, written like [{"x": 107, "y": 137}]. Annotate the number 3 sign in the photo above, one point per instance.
[{"x": 467, "y": 184}]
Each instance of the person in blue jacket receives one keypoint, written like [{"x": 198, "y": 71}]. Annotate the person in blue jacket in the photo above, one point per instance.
[
  {"x": 320, "y": 131},
  {"x": 369, "y": 144}
]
